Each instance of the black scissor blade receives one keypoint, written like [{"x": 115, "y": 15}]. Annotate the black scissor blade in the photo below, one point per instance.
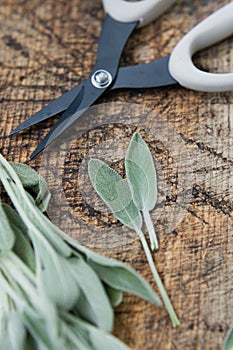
[
  {"x": 55, "y": 107},
  {"x": 148, "y": 75},
  {"x": 86, "y": 97},
  {"x": 58, "y": 128}
]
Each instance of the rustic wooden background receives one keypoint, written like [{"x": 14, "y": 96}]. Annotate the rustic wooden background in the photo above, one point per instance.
[{"x": 46, "y": 47}]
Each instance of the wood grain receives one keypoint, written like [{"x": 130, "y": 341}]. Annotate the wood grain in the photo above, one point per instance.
[{"x": 46, "y": 47}]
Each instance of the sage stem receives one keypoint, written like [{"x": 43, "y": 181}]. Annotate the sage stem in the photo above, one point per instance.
[
  {"x": 150, "y": 228},
  {"x": 163, "y": 293}
]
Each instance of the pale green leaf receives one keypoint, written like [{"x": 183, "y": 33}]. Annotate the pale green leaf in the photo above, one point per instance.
[
  {"x": 22, "y": 246},
  {"x": 3, "y": 314},
  {"x": 105, "y": 341},
  {"x": 115, "y": 192},
  {"x": 50, "y": 231},
  {"x": 5, "y": 342},
  {"x": 228, "y": 343},
  {"x": 95, "y": 302},
  {"x": 127, "y": 280},
  {"x": 117, "y": 275},
  {"x": 14, "y": 218},
  {"x": 24, "y": 249},
  {"x": 99, "y": 340},
  {"x": 141, "y": 173},
  {"x": 7, "y": 236},
  {"x": 16, "y": 331},
  {"x": 55, "y": 277},
  {"x": 28, "y": 177},
  {"x": 37, "y": 327},
  {"x": 75, "y": 338},
  {"x": 115, "y": 296},
  {"x": 32, "y": 180},
  {"x": 142, "y": 179}
]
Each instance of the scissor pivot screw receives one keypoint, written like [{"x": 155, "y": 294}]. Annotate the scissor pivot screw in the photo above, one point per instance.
[{"x": 101, "y": 79}]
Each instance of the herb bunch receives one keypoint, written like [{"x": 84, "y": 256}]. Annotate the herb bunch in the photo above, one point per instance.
[
  {"x": 54, "y": 293},
  {"x": 127, "y": 200}
]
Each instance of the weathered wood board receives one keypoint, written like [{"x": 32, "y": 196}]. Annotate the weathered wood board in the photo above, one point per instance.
[{"x": 46, "y": 47}]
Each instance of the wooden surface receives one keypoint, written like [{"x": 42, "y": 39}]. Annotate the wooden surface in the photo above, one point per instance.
[{"x": 46, "y": 47}]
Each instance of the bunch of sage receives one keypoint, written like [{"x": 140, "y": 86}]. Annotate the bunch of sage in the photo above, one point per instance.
[
  {"x": 128, "y": 199},
  {"x": 54, "y": 293}
]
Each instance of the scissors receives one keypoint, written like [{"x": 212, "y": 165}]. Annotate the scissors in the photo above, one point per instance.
[{"x": 122, "y": 17}]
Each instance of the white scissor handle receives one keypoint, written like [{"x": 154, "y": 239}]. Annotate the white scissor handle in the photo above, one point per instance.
[
  {"x": 213, "y": 29},
  {"x": 143, "y": 11}
]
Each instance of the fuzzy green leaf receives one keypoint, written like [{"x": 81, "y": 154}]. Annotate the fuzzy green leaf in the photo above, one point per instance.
[
  {"x": 126, "y": 280},
  {"x": 104, "y": 341},
  {"x": 39, "y": 330},
  {"x": 228, "y": 343},
  {"x": 115, "y": 192},
  {"x": 55, "y": 277},
  {"x": 115, "y": 296},
  {"x": 22, "y": 246},
  {"x": 94, "y": 304},
  {"x": 7, "y": 236},
  {"x": 99, "y": 340},
  {"x": 141, "y": 174},
  {"x": 116, "y": 274},
  {"x": 32, "y": 180},
  {"x": 16, "y": 331}
]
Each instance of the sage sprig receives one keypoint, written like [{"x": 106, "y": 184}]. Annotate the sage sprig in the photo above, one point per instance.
[
  {"x": 54, "y": 293},
  {"x": 142, "y": 180},
  {"x": 126, "y": 206}
]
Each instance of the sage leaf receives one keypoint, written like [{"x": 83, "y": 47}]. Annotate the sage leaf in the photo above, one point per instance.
[
  {"x": 94, "y": 305},
  {"x": 99, "y": 340},
  {"x": 142, "y": 179},
  {"x": 5, "y": 341},
  {"x": 118, "y": 280},
  {"x": 115, "y": 192},
  {"x": 55, "y": 277},
  {"x": 4, "y": 309},
  {"x": 75, "y": 338},
  {"x": 126, "y": 280},
  {"x": 22, "y": 246},
  {"x": 7, "y": 236},
  {"x": 51, "y": 232},
  {"x": 24, "y": 249},
  {"x": 28, "y": 177},
  {"x": 39, "y": 330},
  {"x": 141, "y": 173},
  {"x": 104, "y": 341},
  {"x": 115, "y": 296},
  {"x": 34, "y": 181},
  {"x": 14, "y": 218},
  {"x": 16, "y": 331},
  {"x": 228, "y": 343}
]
